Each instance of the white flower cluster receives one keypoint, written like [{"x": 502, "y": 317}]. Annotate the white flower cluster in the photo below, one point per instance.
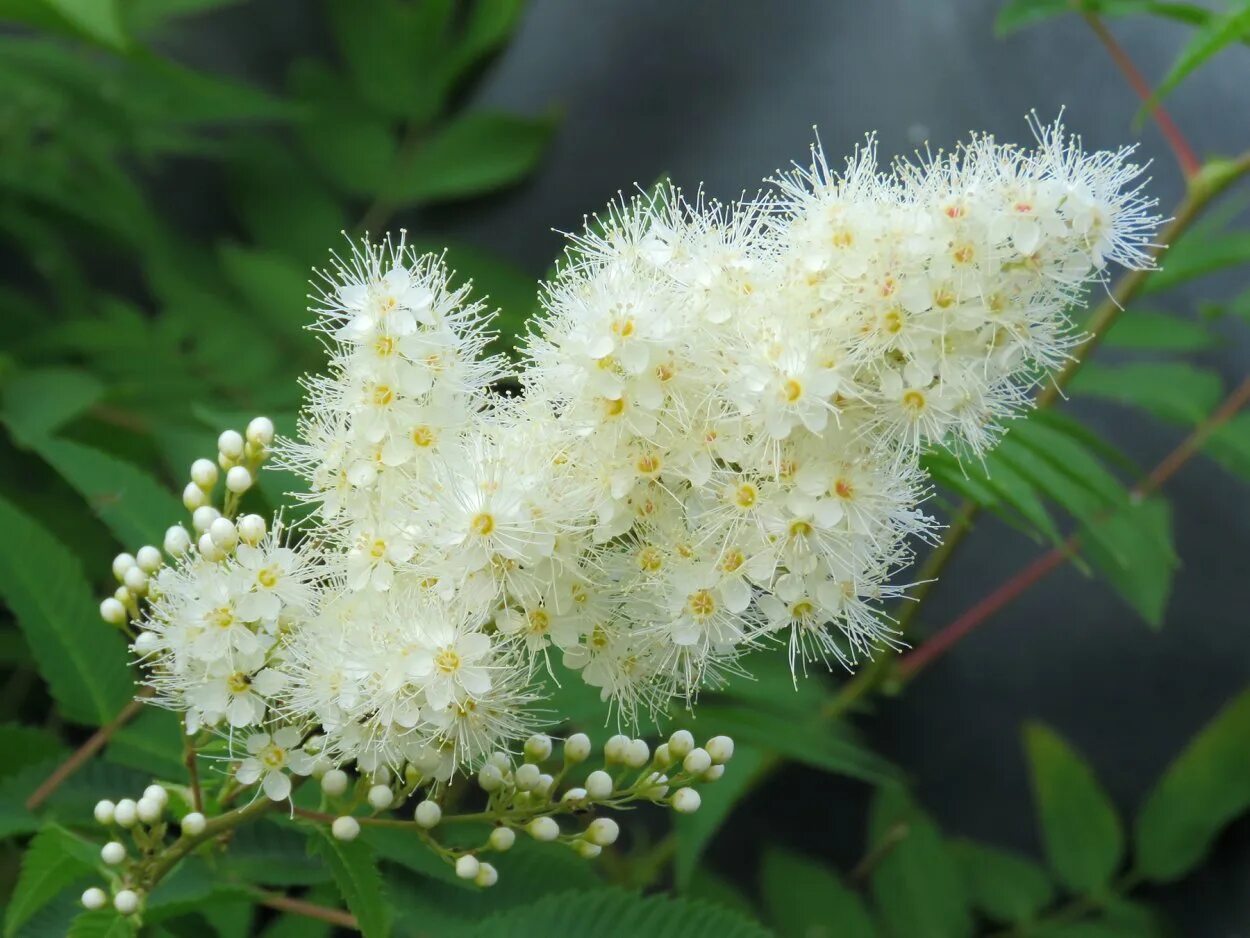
[{"x": 716, "y": 448}]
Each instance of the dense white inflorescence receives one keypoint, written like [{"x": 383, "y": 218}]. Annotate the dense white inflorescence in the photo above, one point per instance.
[{"x": 716, "y": 448}]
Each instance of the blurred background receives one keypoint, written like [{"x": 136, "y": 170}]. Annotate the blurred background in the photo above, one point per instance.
[{"x": 158, "y": 215}]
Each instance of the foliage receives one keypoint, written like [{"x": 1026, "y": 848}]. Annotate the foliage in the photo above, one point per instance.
[{"x": 105, "y": 355}]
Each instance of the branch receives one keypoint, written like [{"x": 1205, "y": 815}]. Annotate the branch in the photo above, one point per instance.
[
  {"x": 946, "y": 638},
  {"x": 1189, "y": 163},
  {"x": 308, "y": 909},
  {"x": 94, "y": 744}
]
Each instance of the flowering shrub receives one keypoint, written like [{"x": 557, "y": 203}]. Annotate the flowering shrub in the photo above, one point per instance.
[{"x": 716, "y": 447}]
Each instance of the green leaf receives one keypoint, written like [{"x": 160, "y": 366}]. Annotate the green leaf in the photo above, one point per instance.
[
  {"x": 1143, "y": 330},
  {"x": 1017, "y": 14},
  {"x": 152, "y": 743},
  {"x": 1225, "y": 29},
  {"x": 1017, "y": 492},
  {"x": 1069, "y": 454},
  {"x": 821, "y": 744},
  {"x": 272, "y": 855},
  {"x": 1205, "y": 787},
  {"x": 474, "y": 154},
  {"x": 134, "y": 506},
  {"x": 1199, "y": 253},
  {"x": 695, "y": 831},
  {"x": 613, "y": 912},
  {"x": 25, "y": 746},
  {"x": 277, "y": 291},
  {"x": 1229, "y": 445},
  {"x": 1132, "y": 550},
  {"x": 97, "y": 20},
  {"x": 1006, "y": 887},
  {"x": 1173, "y": 391},
  {"x": 356, "y": 873},
  {"x": 917, "y": 886},
  {"x": 39, "y": 402},
  {"x": 1079, "y": 826},
  {"x": 147, "y": 15},
  {"x": 102, "y": 923},
  {"x": 806, "y": 899},
  {"x": 54, "y": 860},
  {"x": 82, "y": 659}
]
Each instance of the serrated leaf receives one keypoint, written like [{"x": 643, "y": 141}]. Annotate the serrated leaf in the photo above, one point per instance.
[
  {"x": 356, "y": 872},
  {"x": 1002, "y": 885},
  {"x": 25, "y": 746},
  {"x": 1223, "y": 30},
  {"x": 611, "y": 912},
  {"x": 272, "y": 855},
  {"x": 477, "y": 153},
  {"x": 1017, "y": 492},
  {"x": 806, "y": 899},
  {"x": 1173, "y": 391},
  {"x": 1017, "y": 14},
  {"x": 1144, "y": 330},
  {"x": 97, "y": 20},
  {"x": 1080, "y": 829},
  {"x": 134, "y": 506},
  {"x": 1200, "y": 253},
  {"x": 818, "y": 743},
  {"x": 1069, "y": 454},
  {"x": 53, "y": 861},
  {"x": 146, "y": 15},
  {"x": 695, "y": 831},
  {"x": 40, "y": 401},
  {"x": 1132, "y": 550},
  {"x": 917, "y": 886},
  {"x": 1205, "y": 787},
  {"x": 82, "y": 659},
  {"x": 152, "y": 743}
]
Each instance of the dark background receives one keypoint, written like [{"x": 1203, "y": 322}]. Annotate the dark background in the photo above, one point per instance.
[{"x": 726, "y": 92}]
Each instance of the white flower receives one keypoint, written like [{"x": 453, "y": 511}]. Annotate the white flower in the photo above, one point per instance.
[{"x": 270, "y": 757}]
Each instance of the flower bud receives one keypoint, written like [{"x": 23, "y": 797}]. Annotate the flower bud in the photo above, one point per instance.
[
  {"x": 697, "y": 761},
  {"x": 204, "y": 474},
  {"x": 94, "y": 898},
  {"x": 527, "y": 776},
  {"x": 122, "y": 563},
  {"x": 603, "y": 831},
  {"x": 104, "y": 811},
  {"x": 467, "y": 866},
  {"x": 538, "y": 748},
  {"x": 663, "y": 756},
  {"x": 586, "y": 850},
  {"x": 202, "y": 518},
  {"x": 224, "y": 534},
  {"x": 489, "y": 777},
  {"x": 146, "y": 643},
  {"x": 599, "y": 785},
  {"x": 260, "y": 431},
  {"x": 113, "y": 612},
  {"x": 238, "y": 479},
  {"x": 251, "y": 529},
  {"x": 720, "y": 748},
  {"x": 177, "y": 540},
  {"x": 381, "y": 796},
  {"x": 230, "y": 445},
  {"x": 156, "y": 793},
  {"x": 193, "y": 497},
  {"x": 502, "y": 839},
  {"x": 680, "y": 743},
  {"x": 149, "y": 559},
  {"x": 486, "y": 876},
  {"x": 113, "y": 853},
  {"x": 614, "y": 748},
  {"x": 125, "y": 814},
  {"x": 544, "y": 828},
  {"x": 345, "y": 828},
  {"x": 149, "y": 810},
  {"x": 136, "y": 581},
  {"x": 637, "y": 754},
  {"x": 208, "y": 548},
  {"x": 685, "y": 801},
  {"x": 714, "y": 773},
  {"x": 428, "y": 814},
  {"x": 193, "y": 824},
  {"x": 577, "y": 748},
  {"x": 334, "y": 782},
  {"x": 126, "y": 902},
  {"x": 574, "y": 794}
]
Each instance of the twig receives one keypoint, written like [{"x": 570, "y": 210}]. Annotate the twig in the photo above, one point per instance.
[
  {"x": 894, "y": 836},
  {"x": 308, "y": 909},
  {"x": 1189, "y": 162},
  {"x": 193, "y": 770},
  {"x": 94, "y": 744},
  {"x": 946, "y": 638}
]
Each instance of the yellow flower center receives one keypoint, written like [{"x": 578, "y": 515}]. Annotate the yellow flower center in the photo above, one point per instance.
[
  {"x": 702, "y": 604},
  {"x": 540, "y": 621},
  {"x": 382, "y": 396},
  {"x": 791, "y": 390},
  {"x": 733, "y": 560},
  {"x": 650, "y": 559},
  {"x": 746, "y": 495},
  {"x": 447, "y": 661},
  {"x": 377, "y": 550},
  {"x": 483, "y": 524},
  {"x": 914, "y": 401},
  {"x": 800, "y": 528},
  {"x": 268, "y": 576},
  {"x": 239, "y": 682},
  {"x": 424, "y": 436},
  {"x": 273, "y": 756},
  {"x": 222, "y": 617},
  {"x": 384, "y": 346},
  {"x": 613, "y": 406}
]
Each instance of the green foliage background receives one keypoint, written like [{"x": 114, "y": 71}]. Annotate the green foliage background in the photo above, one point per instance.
[{"x": 127, "y": 341}]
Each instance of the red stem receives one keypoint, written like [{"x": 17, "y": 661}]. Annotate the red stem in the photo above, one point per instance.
[
  {"x": 948, "y": 636},
  {"x": 1189, "y": 162}
]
